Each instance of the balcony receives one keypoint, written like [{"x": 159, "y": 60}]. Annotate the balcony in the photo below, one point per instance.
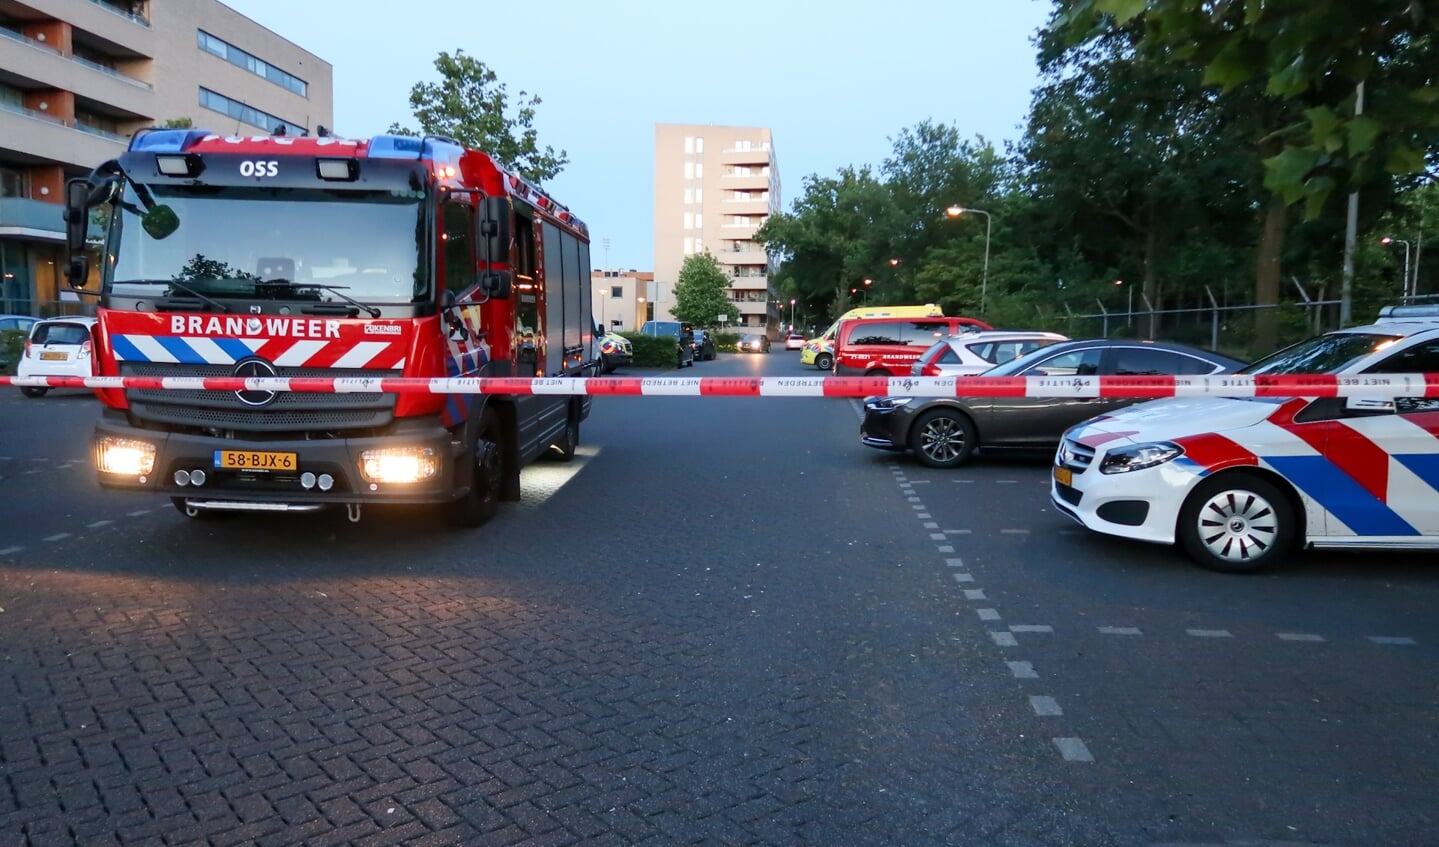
[
  {"x": 750, "y": 182},
  {"x": 88, "y": 80},
  {"x": 35, "y": 218},
  {"x": 107, "y": 26},
  {"x": 756, "y": 156},
  {"x": 748, "y": 256},
  {"x": 37, "y": 138},
  {"x": 745, "y": 207}
]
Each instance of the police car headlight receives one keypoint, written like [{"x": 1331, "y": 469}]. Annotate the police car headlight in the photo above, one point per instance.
[
  {"x": 1139, "y": 457},
  {"x": 126, "y": 456},
  {"x": 399, "y": 465}
]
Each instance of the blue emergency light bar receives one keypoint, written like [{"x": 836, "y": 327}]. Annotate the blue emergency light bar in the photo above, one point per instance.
[{"x": 166, "y": 140}]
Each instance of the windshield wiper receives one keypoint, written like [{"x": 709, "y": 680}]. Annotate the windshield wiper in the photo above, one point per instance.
[
  {"x": 373, "y": 311},
  {"x": 178, "y": 285}
]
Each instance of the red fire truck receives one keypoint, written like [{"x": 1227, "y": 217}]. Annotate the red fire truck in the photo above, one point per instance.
[{"x": 326, "y": 257}]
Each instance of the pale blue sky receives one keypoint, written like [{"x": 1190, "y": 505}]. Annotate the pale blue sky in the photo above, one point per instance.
[{"x": 834, "y": 80}]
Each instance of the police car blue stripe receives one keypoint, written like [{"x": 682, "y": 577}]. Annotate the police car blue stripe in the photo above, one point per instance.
[
  {"x": 125, "y": 349},
  {"x": 1341, "y": 495},
  {"x": 182, "y": 351},
  {"x": 1424, "y": 465}
]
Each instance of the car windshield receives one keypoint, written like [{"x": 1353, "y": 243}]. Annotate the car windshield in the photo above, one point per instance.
[
  {"x": 1019, "y": 363},
  {"x": 366, "y": 244},
  {"x": 1323, "y": 354}
]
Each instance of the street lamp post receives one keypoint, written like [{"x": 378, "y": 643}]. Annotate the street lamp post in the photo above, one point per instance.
[
  {"x": 1129, "y": 310},
  {"x": 1386, "y": 241},
  {"x": 791, "y": 315},
  {"x": 955, "y": 211},
  {"x": 604, "y": 321}
]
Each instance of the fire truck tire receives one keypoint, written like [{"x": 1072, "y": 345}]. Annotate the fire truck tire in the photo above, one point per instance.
[
  {"x": 563, "y": 450},
  {"x": 482, "y": 500}
]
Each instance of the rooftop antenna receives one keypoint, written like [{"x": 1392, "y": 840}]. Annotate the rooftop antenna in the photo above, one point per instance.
[{"x": 607, "y": 253}]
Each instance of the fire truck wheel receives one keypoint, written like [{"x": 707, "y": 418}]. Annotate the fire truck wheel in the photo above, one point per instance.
[
  {"x": 480, "y": 504},
  {"x": 563, "y": 450}
]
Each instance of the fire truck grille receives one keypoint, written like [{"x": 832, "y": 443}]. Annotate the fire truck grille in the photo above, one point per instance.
[{"x": 290, "y": 411}]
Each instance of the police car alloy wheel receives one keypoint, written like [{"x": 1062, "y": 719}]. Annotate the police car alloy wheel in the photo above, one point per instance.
[{"x": 1236, "y": 523}]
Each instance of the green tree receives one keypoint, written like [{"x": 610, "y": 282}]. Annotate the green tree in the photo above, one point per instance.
[
  {"x": 471, "y": 105},
  {"x": 178, "y": 123},
  {"x": 700, "y": 292},
  {"x": 1313, "y": 54}
]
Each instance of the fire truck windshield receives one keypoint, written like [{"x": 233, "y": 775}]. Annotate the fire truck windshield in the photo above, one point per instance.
[{"x": 221, "y": 242}]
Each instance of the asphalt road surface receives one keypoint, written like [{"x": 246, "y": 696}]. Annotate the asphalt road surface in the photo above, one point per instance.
[{"x": 725, "y": 622}]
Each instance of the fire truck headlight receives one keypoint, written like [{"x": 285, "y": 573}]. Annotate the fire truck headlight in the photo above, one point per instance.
[
  {"x": 399, "y": 465},
  {"x": 124, "y": 456}
]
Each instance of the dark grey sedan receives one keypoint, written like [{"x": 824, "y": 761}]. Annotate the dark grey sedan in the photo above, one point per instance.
[{"x": 943, "y": 432}]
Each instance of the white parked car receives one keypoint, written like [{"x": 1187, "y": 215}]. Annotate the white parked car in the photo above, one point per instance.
[
  {"x": 976, "y": 352},
  {"x": 1240, "y": 482},
  {"x": 56, "y": 347}
]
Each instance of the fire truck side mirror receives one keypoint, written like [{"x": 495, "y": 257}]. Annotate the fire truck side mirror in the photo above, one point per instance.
[
  {"x": 77, "y": 225},
  {"x": 495, "y": 229},
  {"x": 497, "y": 284}
]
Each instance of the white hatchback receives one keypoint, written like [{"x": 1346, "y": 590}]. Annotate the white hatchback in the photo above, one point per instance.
[
  {"x": 976, "y": 352},
  {"x": 56, "y": 347}
]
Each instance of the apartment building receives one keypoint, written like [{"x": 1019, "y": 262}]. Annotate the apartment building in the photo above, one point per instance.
[
  {"x": 78, "y": 77},
  {"x": 714, "y": 187},
  {"x": 623, "y": 299}
]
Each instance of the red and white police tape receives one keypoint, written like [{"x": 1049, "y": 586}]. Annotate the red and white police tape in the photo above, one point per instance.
[{"x": 1231, "y": 385}]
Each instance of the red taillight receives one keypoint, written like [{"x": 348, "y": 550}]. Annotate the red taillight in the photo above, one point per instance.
[{"x": 929, "y": 370}]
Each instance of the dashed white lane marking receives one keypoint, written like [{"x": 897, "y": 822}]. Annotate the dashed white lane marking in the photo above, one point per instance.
[
  {"x": 917, "y": 508},
  {"x": 1022, "y": 670},
  {"x": 98, "y": 524},
  {"x": 924, "y": 516},
  {"x": 945, "y": 548},
  {"x": 1073, "y": 750},
  {"x": 958, "y": 531},
  {"x": 138, "y": 512},
  {"x": 1046, "y": 707},
  {"x": 59, "y": 536},
  {"x": 937, "y": 536},
  {"x": 932, "y": 525},
  {"x": 8, "y": 550},
  {"x": 1014, "y": 532},
  {"x": 1299, "y": 636},
  {"x": 1005, "y": 481},
  {"x": 1119, "y": 630},
  {"x": 1031, "y": 627},
  {"x": 1385, "y": 639},
  {"x": 974, "y": 594},
  {"x": 954, "y": 563},
  {"x": 1004, "y": 639},
  {"x": 987, "y": 614},
  {"x": 1210, "y": 633},
  {"x": 962, "y": 481},
  {"x": 912, "y": 499},
  {"x": 964, "y": 577},
  {"x": 919, "y": 482}
]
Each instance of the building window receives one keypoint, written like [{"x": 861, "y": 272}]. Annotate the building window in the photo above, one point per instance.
[
  {"x": 699, "y": 195},
  {"x": 257, "y": 66},
  {"x": 689, "y": 170},
  {"x": 689, "y": 143},
  {"x": 240, "y": 112},
  {"x": 699, "y": 170},
  {"x": 12, "y": 183},
  {"x": 617, "y": 292},
  {"x": 689, "y": 195},
  {"x": 689, "y": 246},
  {"x": 699, "y": 220},
  {"x": 699, "y": 144}
]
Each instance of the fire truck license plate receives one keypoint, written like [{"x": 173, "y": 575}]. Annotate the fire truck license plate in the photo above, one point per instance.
[
  {"x": 253, "y": 460},
  {"x": 54, "y": 357}
]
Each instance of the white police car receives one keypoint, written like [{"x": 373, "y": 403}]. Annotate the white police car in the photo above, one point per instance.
[{"x": 1239, "y": 482}]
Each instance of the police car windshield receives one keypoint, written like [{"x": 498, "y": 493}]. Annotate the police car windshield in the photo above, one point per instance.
[
  {"x": 1323, "y": 354},
  {"x": 365, "y": 244}
]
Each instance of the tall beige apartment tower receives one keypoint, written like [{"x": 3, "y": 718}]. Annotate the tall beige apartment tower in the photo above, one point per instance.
[
  {"x": 78, "y": 77},
  {"x": 714, "y": 187}
]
